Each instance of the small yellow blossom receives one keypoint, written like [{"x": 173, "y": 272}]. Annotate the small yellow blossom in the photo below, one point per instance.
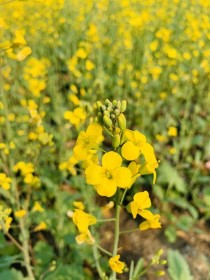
[
  {"x": 153, "y": 223},
  {"x": 116, "y": 265},
  {"x": 141, "y": 201},
  {"x": 83, "y": 220},
  {"x": 20, "y": 213},
  {"x": 131, "y": 150},
  {"x": 37, "y": 207},
  {"x": 40, "y": 226},
  {"x": 79, "y": 205},
  {"x": 172, "y": 131},
  {"x": 88, "y": 142},
  {"x": 22, "y": 54},
  {"x": 5, "y": 181}
]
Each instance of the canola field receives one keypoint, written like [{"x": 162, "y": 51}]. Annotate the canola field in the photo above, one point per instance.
[{"x": 60, "y": 62}]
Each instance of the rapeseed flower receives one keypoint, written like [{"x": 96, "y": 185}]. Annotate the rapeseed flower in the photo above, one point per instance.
[
  {"x": 109, "y": 176},
  {"x": 88, "y": 142},
  {"x": 5, "y": 181},
  {"x": 116, "y": 265},
  {"x": 152, "y": 222},
  {"x": 140, "y": 203},
  {"x": 131, "y": 150}
]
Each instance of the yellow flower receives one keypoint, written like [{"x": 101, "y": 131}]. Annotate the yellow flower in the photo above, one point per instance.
[
  {"x": 141, "y": 201},
  {"x": 134, "y": 168},
  {"x": 5, "y": 220},
  {"x": 5, "y": 181},
  {"x": 153, "y": 222},
  {"x": 75, "y": 117},
  {"x": 150, "y": 161},
  {"x": 20, "y": 213},
  {"x": 89, "y": 65},
  {"x": 79, "y": 205},
  {"x": 37, "y": 207},
  {"x": 22, "y": 54},
  {"x": 172, "y": 131},
  {"x": 88, "y": 142},
  {"x": 85, "y": 237},
  {"x": 109, "y": 176},
  {"x": 116, "y": 265},
  {"x": 83, "y": 220},
  {"x": 131, "y": 150},
  {"x": 40, "y": 226}
]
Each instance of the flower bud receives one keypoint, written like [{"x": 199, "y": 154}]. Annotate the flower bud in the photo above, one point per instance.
[
  {"x": 123, "y": 105},
  {"x": 106, "y": 113},
  {"x": 114, "y": 103},
  {"x": 118, "y": 104},
  {"x": 122, "y": 121},
  {"x": 107, "y": 121},
  {"x": 116, "y": 141},
  {"x": 117, "y": 112},
  {"x": 99, "y": 105},
  {"x": 103, "y": 108}
]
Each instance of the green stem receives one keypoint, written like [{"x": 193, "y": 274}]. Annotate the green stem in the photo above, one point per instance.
[
  {"x": 116, "y": 235},
  {"x": 98, "y": 266},
  {"x": 103, "y": 250},
  {"x": 106, "y": 220},
  {"x": 26, "y": 249},
  {"x": 128, "y": 231}
]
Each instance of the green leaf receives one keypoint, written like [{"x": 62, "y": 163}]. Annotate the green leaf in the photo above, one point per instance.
[
  {"x": 178, "y": 268},
  {"x": 66, "y": 272},
  {"x": 168, "y": 174},
  {"x": 12, "y": 275},
  {"x": 170, "y": 233},
  {"x": 206, "y": 195}
]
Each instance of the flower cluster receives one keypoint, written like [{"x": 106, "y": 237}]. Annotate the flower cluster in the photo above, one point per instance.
[
  {"x": 5, "y": 219},
  {"x": 27, "y": 171}
]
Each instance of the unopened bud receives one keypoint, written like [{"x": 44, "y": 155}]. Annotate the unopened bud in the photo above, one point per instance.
[
  {"x": 119, "y": 105},
  {"x": 122, "y": 121},
  {"x": 99, "y": 105},
  {"x": 117, "y": 112},
  {"x": 112, "y": 116},
  {"x": 107, "y": 121},
  {"x": 114, "y": 103},
  {"x": 103, "y": 108},
  {"x": 106, "y": 113},
  {"x": 116, "y": 141},
  {"x": 123, "y": 106}
]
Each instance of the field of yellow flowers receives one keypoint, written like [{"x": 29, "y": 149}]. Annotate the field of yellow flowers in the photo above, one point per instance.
[{"x": 104, "y": 119}]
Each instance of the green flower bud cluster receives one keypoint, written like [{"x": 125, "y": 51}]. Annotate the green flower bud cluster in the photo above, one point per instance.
[{"x": 110, "y": 115}]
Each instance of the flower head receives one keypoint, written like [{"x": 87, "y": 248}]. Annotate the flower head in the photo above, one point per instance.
[
  {"x": 140, "y": 203},
  {"x": 116, "y": 265},
  {"x": 131, "y": 150},
  {"x": 109, "y": 176},
  {"x": 83, "y": 220},
  {"x": 88, "y": 142},
  {"x": 153, "y": 223}
]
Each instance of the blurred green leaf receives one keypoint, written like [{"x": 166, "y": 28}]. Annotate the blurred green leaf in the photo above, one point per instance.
[
  {"x": 178, "y": 268},
  {"x": 170, "y": 233},
  {"x": 169, "y": 175},
  {"x": 12, "y": 275}
]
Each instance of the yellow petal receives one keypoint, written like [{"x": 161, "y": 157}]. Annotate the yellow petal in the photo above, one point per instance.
[
  {"x": 123, "y": 177},
  {"x": 143, "y": 200},
  {"x": 130, "y": 151},
  {"x": 106, "y": 188},
  {"x": 111, "y": 160},
  {"x": 139, "y": 137},
  {"x": 22, "y": 54},
  {"x": 146, "y": 214},
  {"x": 93, "y": 174}
]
